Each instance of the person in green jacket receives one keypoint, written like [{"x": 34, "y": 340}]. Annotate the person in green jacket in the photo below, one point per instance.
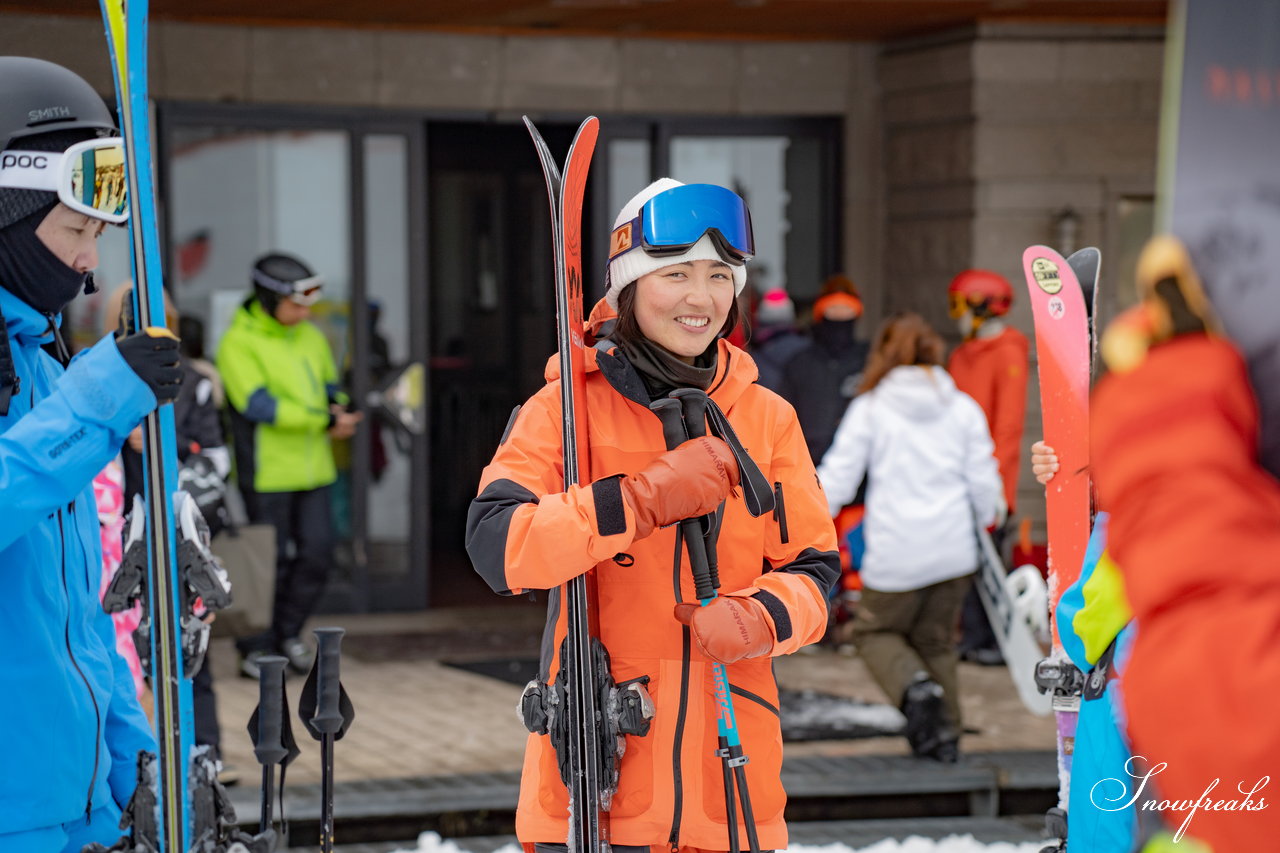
[{"x": 286, "y": 408}]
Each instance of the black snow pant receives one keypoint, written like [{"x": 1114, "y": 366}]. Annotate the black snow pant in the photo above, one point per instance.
[
  {"x": 305, "y": 521},
  {"x": 205, "y": 709}
]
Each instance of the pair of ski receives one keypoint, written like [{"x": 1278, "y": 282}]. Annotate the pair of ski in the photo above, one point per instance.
[
  {"x": 1018, "y": 603},
  {"x": 1063, "y": 297},
  {"x": 178, "y": 805},
  {"x": 590, "y": 774}
]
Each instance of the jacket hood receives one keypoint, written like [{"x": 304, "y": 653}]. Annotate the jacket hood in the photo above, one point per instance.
[
  {"x": 735, "y": 370},
  {"x": 917, "y": 392},
  {"x": 24, "y": 322}
]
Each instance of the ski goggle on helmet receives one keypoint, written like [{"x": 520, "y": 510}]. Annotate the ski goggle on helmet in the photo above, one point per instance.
[
  {"x": 674, "y": 220},
  {"x": 303, "y": 291},
  {"x": 88, "y": 177}
]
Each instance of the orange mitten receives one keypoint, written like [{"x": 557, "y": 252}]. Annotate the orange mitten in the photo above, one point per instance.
[
  {"x": 686, "y": 482},
  {"x": 730, "y": 628}
]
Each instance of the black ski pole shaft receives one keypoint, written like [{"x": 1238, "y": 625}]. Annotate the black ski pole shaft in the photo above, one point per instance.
[
  {"x": 327, "y": 720},
  {"x": 748, "y": 816},
  {"x": 269, "y": 746},
  {"x": 694, "y": 402},
  {"x": 671, "y": 414}
]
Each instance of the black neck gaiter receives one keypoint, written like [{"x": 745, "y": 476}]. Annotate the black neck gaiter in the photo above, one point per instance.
[
  {"x": 834, "y": 336},
  {"x": 31, "y": 272},
  {"x": 663, "y": 372}
]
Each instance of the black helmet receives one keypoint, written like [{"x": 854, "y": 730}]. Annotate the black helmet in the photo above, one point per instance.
[
  {"x": 44, "y": 107},
  {"x": 40, "y": 97},
  {"x": 274, "y": 277}
]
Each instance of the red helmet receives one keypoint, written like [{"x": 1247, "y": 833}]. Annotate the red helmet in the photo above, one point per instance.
[{"x": 986, "y": 293}]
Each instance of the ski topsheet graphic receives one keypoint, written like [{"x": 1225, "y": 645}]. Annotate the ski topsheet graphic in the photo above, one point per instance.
[{"x": 1063, "y": 352}]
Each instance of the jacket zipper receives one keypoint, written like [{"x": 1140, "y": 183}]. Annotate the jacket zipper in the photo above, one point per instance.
[
  {"x": 677, "y": 811},
  {"x": 66, "y": 636},
  {"x": 780, "y": 513}
]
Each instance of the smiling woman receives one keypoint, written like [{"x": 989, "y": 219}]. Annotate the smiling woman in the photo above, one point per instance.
[{"x": 678, "y": 256}]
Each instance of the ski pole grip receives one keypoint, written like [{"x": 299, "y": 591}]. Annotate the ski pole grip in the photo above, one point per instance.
[
  {"x": 269, "y": 748},
  {"x": 671, "y": 414},
  {"x": 693, "y": 402},
  {"x": 327, "y": 718}
]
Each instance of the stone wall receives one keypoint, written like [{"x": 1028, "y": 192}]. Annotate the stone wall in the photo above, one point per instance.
[{"x": 988, "y": 135}]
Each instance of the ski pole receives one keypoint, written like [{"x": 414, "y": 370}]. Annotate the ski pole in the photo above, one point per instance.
[
  {"x": 326, "y": 712},
  {"x": 679, "y": 417},
  {"x": 671, "y": 415},
  {"x": 268, "y": 745}
]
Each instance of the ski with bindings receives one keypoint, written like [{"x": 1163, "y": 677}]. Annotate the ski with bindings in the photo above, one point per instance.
[
  {"x": 178, "y": 805},
  {"x": 1064, "y": 355},
  {"x": 583, "y": 755}
]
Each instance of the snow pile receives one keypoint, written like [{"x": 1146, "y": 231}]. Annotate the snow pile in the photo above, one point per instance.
[
  {"x": 810, "y": 715},
  {"x": 429, "y": 842}
]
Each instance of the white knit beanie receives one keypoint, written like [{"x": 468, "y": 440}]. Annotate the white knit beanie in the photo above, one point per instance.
[{"x": 632, "y": 264}]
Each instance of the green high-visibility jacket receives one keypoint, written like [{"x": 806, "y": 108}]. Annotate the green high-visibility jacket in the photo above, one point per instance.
[{"x": 280, "y": 381}]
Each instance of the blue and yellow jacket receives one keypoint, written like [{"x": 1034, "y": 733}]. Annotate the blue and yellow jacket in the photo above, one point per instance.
[{"x": 72, "y": 722}]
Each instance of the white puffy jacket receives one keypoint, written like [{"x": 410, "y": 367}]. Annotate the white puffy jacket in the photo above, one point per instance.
[{"x": 927, "y": 451}]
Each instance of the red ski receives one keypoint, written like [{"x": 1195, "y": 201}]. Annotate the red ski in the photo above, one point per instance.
[{"x": 1064, "y": 353}]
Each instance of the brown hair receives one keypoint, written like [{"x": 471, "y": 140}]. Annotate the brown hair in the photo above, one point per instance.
[
  {"x": 904, "y": 338},
  {"x": 629, "y": 329}
]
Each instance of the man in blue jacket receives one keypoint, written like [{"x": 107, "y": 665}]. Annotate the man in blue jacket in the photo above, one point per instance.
[{"x": 73, "y": 726}]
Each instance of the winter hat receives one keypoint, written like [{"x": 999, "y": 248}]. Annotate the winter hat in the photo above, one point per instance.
[
  {"x": 831, "y": 300},
  {"x": 634, "y": 263},
  {"x": 775, "y": 308}
]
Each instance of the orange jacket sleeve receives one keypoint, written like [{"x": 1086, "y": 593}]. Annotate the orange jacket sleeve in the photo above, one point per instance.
[
  {"x": 806, "y": 565},
  {"x": 524, "y": 529},
  {"x": 994, "y": 373}
]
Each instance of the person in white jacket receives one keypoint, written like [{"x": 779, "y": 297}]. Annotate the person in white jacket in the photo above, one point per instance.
[{"x": 931, "y": 479}]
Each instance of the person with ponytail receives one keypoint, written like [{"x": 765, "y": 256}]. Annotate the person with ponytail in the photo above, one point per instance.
[{"x": 931, "y": 477}]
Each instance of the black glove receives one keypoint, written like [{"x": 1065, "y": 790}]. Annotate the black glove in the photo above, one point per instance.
[{"x": 153, "y": 355}]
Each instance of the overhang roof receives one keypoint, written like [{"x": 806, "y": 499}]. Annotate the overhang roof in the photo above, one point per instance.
[{"x": 856, "y": 20}]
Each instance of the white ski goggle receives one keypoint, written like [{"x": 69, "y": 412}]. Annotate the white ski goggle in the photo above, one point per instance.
[
  {"x": 304, "y": 291},
  {"x": 88, "y": 177}
]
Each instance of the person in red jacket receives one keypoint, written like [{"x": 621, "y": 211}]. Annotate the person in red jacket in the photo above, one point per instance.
[
  {"x": 675, "y": 307},
  {"x": 1195, "y": 529},
  {"x": 990, "y": 365}
]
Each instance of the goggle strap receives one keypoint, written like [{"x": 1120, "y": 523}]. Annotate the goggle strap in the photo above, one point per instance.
[
  {"x": 286, "y": 288},
  {"x": 30, "y": 170}
]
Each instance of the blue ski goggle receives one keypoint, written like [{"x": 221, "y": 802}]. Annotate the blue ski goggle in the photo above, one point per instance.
[
  {"x": 88, "y": 177},
  {"x": 674, "y": 220}
]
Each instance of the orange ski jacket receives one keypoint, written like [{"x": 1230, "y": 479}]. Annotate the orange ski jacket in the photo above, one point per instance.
[
  {"x": 1195, "y": 529},
  {"x": 525, "y": 531},
  {"x": 993, "y": 371}
]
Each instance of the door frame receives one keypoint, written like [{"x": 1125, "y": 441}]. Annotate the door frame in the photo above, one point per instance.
[{"x": 360, "y": 593}]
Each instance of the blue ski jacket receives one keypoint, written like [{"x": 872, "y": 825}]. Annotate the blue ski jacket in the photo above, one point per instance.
[
  {"x": 1093, "y": 613},
  {"x": 71, "y": 720}
]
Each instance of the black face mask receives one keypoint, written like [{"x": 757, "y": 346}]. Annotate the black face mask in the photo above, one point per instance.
[
  {"x": 34, "y": 274},
  {"x": 835, "y": 336}
]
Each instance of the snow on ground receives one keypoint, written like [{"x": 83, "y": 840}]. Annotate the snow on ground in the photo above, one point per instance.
[{"x": 429, "y": 842}]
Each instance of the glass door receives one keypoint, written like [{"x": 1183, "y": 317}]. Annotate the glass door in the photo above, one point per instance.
[{"x": 339, "y": 193}]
